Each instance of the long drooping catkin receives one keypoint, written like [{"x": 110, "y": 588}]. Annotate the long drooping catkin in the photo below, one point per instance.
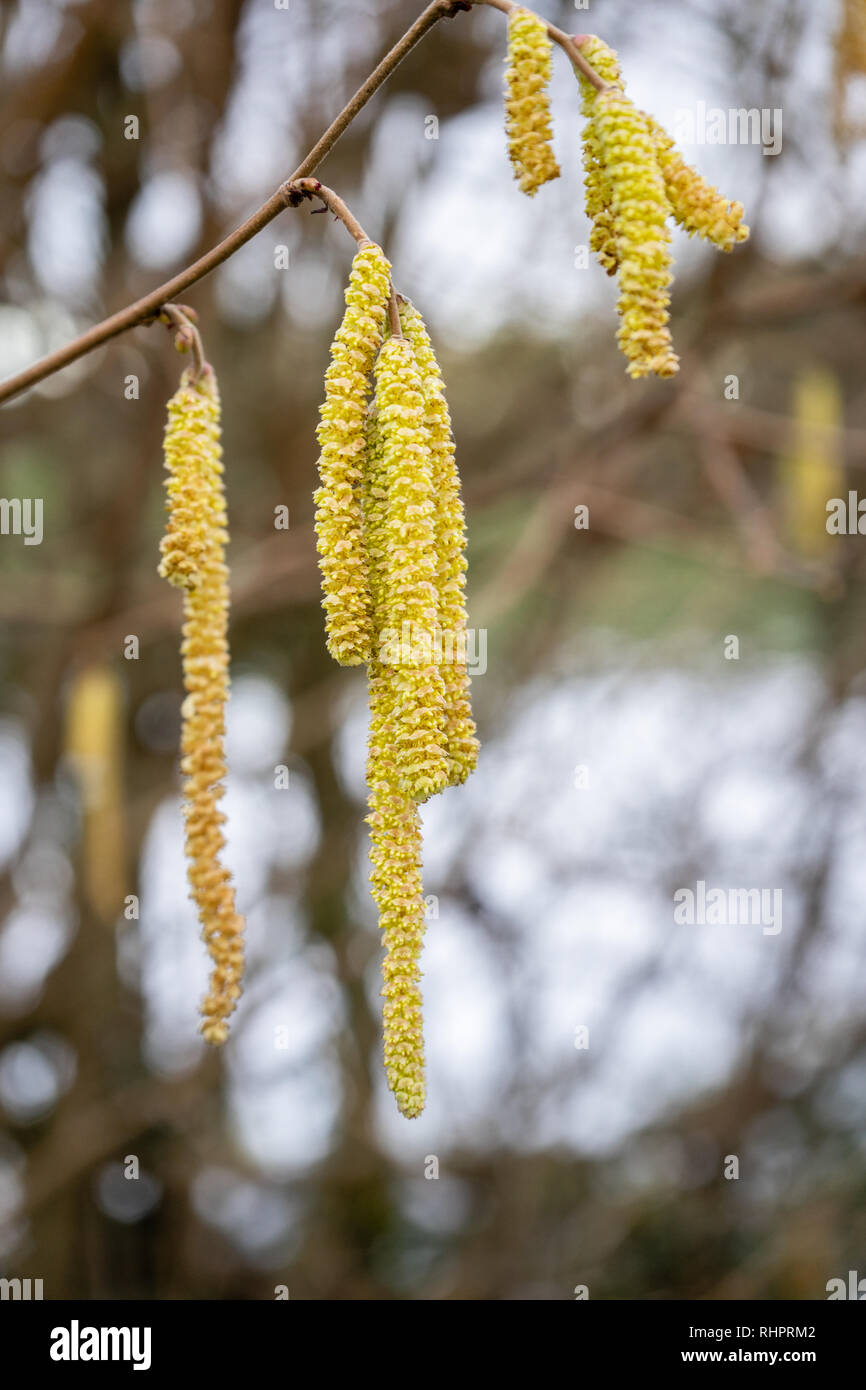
[
  {"x": 395, "y": 883},
  {"x": 408, "y": 633},
  {"x": 527, "y": 105},
  {"x": 193, "y": 558},
  {"x": 342, "y": 555},
  {"x": 640, "y": 209},
  {"x": 450, "y": 548},
  {"x": 395, "y": 829},
  {"x": 596, "y": 183}
]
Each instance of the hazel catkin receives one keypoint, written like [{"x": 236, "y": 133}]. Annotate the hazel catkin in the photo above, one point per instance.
[
  {"x": 395, "y": 828},
  {"x": 194, "y": 559},
  {"x": 342, "y": 555},
  {"x": 395, "y": 883},
  {"x": 599, "y": 210},
  {"x": 696, "y": 205},
  {"x": 450, "y": 548},
  {"x": 527, "y": 105},
  {"x": 407, "y": 636},
  {"x": 640, "y": 210}
]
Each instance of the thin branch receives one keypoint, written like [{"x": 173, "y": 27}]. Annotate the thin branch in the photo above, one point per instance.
[{"x": 148, "y": 308}]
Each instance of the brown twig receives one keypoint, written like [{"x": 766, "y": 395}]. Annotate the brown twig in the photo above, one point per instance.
[
  {"x": 188, "y": 338},
  {"x": 148, "y": 308},
  {"x": 394, "y": 315},
  {"x": 296, "y": 190}
]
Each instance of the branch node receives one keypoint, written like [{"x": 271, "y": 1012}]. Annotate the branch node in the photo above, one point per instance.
[{"x": 181, "y": 319}]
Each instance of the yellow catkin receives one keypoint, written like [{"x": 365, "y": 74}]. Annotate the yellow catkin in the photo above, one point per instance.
[
  {"x": 640, "y": 209},
  {"x": 94, "y": 742},
  {"x": 194, "y": 559},
  {"x": 395, "y": 883},
  {"x": 596, "y": 181},
  {"x": 527, "y": 105},
  {"x": 450, "y": 546},
  {"x": 407, "y": 637},
  {"x": 342, "y": 555},
  {"x": 696, "y": 205},
  {"x": 395, "y": 831},
  {"x": 813, "y": 469}
]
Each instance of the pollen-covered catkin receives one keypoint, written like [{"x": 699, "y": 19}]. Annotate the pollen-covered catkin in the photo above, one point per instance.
[
  {"x": 395, "y": 829},
  {"x": 194, "y": 559},
  {"x": 596, "y": 181},
  {"x": 527, "y": 105},
  {"x": 696, "y": 205},
  {"x": 640, "y": 209},
  {"x": 395, "y": 883},
  {"x": 342, "y": 554},
  {"x": 450, "y": 547},
  {"x": 407, "y": 635}
]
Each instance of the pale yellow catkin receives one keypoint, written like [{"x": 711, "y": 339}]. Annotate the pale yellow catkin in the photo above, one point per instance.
[
  {"x": 527, "y": 105},
  {"x": 395, "y": 828},
  {"x": 194, "y": 560},
  {"x": 812, "y": 467},
  {"x": 599, "y": 209},
  {"x": 407, "y": 636},
  {"x": 696, "y": 205},
  {"x": 395, "y": 883},
  {"x": 342, "y": 554},
  {"x": 640, "y": 210},
  {"x": 94, "y": 746},
  {"x": 450, "y": 550}
]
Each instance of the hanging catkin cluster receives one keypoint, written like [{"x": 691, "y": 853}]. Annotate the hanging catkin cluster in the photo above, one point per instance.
[
  {"x": 193, "y": 559},
  {"x": 401, "y": 577},
  {"x": 527, "y": 107},
  {"x": 635, "y": 179}
]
